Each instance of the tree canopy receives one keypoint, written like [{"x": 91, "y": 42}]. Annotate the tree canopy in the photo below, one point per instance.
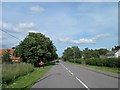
[
  {"x": 36, "y": 47},
  {"x": 86, "y": 53},
  {"x": 71, "y": 53},
  {"x": 116, "y": 47},
  {"x": 90, "y": 53}
]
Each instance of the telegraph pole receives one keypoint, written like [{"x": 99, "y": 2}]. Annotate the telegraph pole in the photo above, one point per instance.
[{"x": 73, "y": 54}]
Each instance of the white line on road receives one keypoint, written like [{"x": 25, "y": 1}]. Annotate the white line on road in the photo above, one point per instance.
[
  {"x": 67, "y": 69},
  {"x": 76, "y": 77},
  {"x": 82, "y": 83},
  {"x": 70, "y": 72}
]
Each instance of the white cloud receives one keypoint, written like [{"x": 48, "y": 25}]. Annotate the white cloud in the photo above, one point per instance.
[
  {"x": 5, "y": 25},
  {"x": 80, "y": 41},
  {"x": 17, "y": 28},
  {"x": 84, "y": 40},
  {"x": 37, "y": 9},
  {"x": 25, "y": 26}
]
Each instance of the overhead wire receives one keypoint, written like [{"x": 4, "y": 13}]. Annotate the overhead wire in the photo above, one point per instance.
[{"x": 9, "y": 34}]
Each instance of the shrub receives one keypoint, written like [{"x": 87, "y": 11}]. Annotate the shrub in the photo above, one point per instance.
[
  {"x": 6, "y": 57},
  {"x": 77, "y": 60},
  {"x": 13, "y": 71},
  {"x": 109, "y": 62}
]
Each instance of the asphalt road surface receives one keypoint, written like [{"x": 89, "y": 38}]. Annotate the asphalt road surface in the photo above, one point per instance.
[{"x": 64, "y": 75}]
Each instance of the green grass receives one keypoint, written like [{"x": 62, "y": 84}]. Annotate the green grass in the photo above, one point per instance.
[
  {"x": 0, "y": 76},
  {"x": 28, "y": 80},
  {"x": 12, "y": 71},
  {"x": 106, "y": 69},
  {"x": 102, "y": 68}
]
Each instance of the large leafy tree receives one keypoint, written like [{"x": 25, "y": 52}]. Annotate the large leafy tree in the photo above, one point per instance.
[
  {"x": 102, "y": 51},
  {"x": 36, "y": 47},
  {"x": 90, "y": 53},
  {"x": 71, "y": 53}
]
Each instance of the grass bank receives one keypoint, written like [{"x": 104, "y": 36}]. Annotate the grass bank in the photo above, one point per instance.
[
  {"x": 30, "y": 79},
  {"x": 102, "y": 68},
  {"x": 12, "y": 71}
]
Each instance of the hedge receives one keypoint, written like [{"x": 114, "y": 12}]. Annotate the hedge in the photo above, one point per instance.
[
  {"x": 109, "y": 62},
  {"x": 77, "y": 60}
]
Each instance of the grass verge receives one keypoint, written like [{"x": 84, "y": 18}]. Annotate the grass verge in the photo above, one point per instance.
[
  {"x": 28, "y": 80},
  {"x": 10, "y": 72},
  {"x": 102, "y": 68}
]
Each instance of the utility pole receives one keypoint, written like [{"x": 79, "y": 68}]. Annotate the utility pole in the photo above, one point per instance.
[{"x": 73, "y": 54}]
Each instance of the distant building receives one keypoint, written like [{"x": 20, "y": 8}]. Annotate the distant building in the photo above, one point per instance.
[
  {"x": 11, "y": 51},
  {"x": 113, "y": 54},
  {"x": 117, "y": 54}
]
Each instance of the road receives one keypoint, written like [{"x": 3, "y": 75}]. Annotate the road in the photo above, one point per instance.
[{"x": 64, "y": 75}]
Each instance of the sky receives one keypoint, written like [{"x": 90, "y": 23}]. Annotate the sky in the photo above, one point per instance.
[{"x": 83, "y": 24}]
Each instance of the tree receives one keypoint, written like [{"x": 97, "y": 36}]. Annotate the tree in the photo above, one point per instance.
[
  {"x": 70, "y": 52},
  {"x": 35, "y": 48},
  {"x": 102, "y": 51},
  {"x": 116, "y": 47},
  {"x": 90, "y": 53},
  {"x": 87, "y": 53}
]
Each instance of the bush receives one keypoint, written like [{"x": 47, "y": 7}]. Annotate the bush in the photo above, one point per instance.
[
  {"x": 77, "y": 60},
  {"x": 13, "y": 71},
  {"x": 6, "y": 57},
  {"x": 109, "y": 62}
]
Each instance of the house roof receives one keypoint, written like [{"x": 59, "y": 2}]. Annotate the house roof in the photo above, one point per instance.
[
  {"x": 111, "y": 52},
  {"x": 2, "y": 51}
]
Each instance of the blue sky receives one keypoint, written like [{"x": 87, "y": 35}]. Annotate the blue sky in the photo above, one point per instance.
[{"x": 83, "y": 24}]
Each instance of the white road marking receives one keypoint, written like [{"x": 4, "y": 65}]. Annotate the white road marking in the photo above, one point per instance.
[
  {"x": 82, "y": 83},
  {"x": 76, "y": 77},
  {"x": 70, "y": 72},
  {"x": 67, "y": 69}
]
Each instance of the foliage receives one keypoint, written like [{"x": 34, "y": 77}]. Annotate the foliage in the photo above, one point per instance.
[
  {"x": 102, "y": 51},
  {"x": 25, "y": 82},
  {"x": 91, "y": 57},
  {"x": 71, "y": 53},
  {"x": 13, "y": 71},
  {"x": 109, "y": 62},
  {"x": 77, "y": 60},
  {"x": 90, "y": 53},
  {"x": 6, "y": 57},
  {"x": 116, "y": 47},
  {"x": 103, "y": 68},
  {"x": 36, "y": 47}
]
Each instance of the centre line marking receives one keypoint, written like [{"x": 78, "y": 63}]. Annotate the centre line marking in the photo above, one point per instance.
[
  {"x": 82, "y": 83},
  {"x": 76, "y": 78},
  {"x": 70, "y": 72},
  {"x": 67, "y": 69}
]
